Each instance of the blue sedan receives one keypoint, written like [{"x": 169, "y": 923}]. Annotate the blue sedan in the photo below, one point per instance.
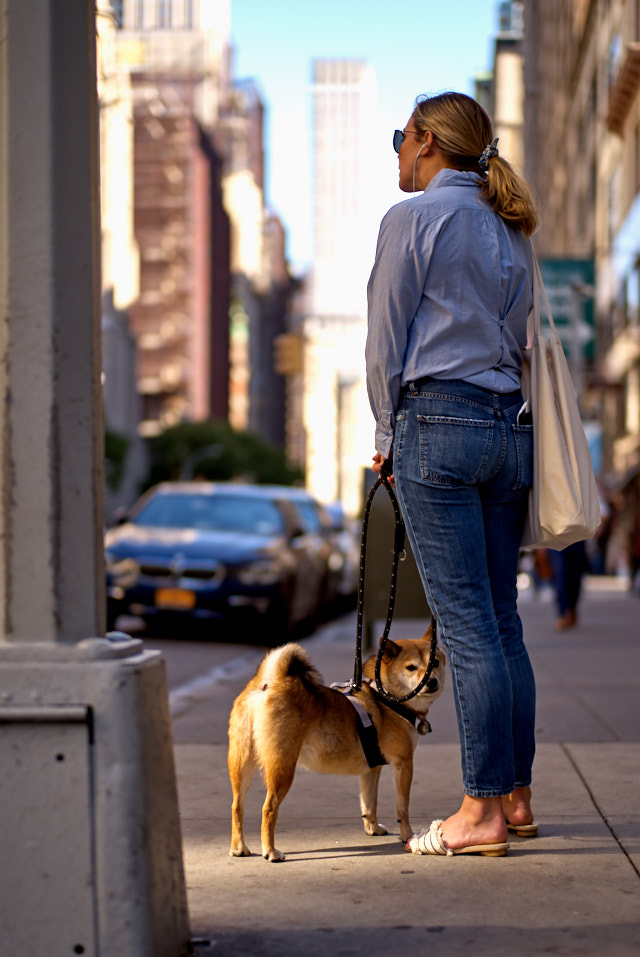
[{"x": 202, "y": 550}]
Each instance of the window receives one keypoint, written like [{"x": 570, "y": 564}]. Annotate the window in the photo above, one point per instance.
[{"x": 164, "y": 14}]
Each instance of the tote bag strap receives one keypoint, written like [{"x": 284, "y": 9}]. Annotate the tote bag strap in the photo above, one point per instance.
[
  {"x": 534, "y": 324},
  {"x": 533, "y": 319}
]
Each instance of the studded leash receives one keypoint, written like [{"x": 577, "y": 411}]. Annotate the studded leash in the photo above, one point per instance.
[{"x": 399, "y": 554}]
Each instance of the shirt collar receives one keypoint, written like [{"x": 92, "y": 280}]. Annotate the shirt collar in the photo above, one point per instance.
[{"x": 453, "y": 177}]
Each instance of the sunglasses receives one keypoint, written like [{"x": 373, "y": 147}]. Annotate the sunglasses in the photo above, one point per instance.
[{"x": 398, "y": 138}]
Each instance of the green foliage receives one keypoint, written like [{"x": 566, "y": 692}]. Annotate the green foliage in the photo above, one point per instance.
[
  {"x": 116, "y": 448},
  {"x": 214, "y": 451}
]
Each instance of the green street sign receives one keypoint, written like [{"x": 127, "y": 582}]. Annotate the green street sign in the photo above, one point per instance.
[{"x": 569, "y": 284}]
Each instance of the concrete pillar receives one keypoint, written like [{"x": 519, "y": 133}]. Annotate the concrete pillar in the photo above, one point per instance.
[
  {"x": 90, "y": 839},
  {"x": 50, "y": 414}
]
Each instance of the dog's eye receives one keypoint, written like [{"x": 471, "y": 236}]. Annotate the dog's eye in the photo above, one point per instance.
[{"x": 412, "y": 667}]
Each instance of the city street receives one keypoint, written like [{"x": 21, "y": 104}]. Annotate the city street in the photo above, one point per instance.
[
  {"x": 190, "y": 198},
  {"x": 573, "y": 890}
]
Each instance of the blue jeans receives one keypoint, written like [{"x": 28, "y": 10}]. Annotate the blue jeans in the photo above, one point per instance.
[
  {"x": 568, "y": 566},
  {"x": 463, "y": 468}
]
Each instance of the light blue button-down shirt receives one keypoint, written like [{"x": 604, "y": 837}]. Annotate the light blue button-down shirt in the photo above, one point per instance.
[{"x": 448, "y": 296}]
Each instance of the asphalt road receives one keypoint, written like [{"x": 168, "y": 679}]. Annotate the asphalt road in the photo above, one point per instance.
[{"x": 201, "y": 651}]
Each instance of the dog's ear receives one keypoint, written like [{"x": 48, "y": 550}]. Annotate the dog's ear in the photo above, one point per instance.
[
  {"x": 391, "y": 650},
  {"x": 427, "y": 634}
]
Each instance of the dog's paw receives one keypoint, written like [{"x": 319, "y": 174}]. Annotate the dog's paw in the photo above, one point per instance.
[
  {"x": 274, "y": 855},
  {"x": 374, "y": 829},
  {"x": 405, "y": 833},
  {"x": 240, "y": 851}
]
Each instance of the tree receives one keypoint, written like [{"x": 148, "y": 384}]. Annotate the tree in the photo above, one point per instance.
[
  {"x": 215, "y": 451},
  {"x": 116, "y": 448}
]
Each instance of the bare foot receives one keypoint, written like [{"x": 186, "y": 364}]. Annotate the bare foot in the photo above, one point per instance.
[
  {"x": 517, "y": 806},
  {"x": 479, "y": 821}
]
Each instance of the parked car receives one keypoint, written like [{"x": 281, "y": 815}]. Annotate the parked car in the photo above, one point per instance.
[
  {"x": 341, "y": 547},
  {"x": 200, "y": 550},
  {"x": 312, "y": 517},
  {"x": 344, "y": 536}
]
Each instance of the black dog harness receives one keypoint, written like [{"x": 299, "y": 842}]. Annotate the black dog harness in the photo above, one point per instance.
[{"x": 366, "y": 728}]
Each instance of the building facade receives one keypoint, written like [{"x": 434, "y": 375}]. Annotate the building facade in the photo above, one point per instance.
[
  {"x": 176, "y": 57},
  {"x": 213, "y": 279},
  {"x": 339, "y": 426},
  {"x": 582, "y": 148},
  {"x": 120, "y": 271},
  {"x": 260, "y": 281}
]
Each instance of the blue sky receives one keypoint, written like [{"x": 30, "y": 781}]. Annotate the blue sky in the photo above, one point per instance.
[{"x": 414, "y": 46}]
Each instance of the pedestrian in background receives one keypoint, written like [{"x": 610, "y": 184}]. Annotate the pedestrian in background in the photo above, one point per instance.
[
  {"x": 449, "y": 296},
  {"x": 568, "y": 567}
]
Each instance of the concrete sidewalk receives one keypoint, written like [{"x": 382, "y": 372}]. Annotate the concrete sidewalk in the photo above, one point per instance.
[{"x": 573, "y": 890}]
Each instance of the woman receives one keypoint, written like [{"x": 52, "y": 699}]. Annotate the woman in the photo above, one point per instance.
[{"x": 449, "y": 296}]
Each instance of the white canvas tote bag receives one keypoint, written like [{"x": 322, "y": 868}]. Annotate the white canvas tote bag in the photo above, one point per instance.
[{"x": 563, "y": 502}]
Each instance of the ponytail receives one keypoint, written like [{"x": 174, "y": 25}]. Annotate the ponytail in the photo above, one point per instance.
[{"x": 509, "y": 195}]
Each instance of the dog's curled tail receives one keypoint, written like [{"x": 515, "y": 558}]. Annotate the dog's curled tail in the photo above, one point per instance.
[{"x": 290, "y": 661}]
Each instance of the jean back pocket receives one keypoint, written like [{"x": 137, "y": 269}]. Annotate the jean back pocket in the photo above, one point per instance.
[{"x": 453, "y": 450}]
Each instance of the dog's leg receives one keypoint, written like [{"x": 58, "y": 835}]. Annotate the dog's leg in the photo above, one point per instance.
[
  {"x": 402, "y": 777},
  {"x": 241, "y": 776},
  {"x": 242, "y": 767},
  {"x": 369, "y": 801},
  {"x": 278, "y": 781}
]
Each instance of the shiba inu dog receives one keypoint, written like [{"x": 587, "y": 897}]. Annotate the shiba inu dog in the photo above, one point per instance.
[{"x": 286, "y": 716}]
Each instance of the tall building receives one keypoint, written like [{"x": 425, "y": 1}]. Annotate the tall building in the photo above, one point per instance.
[
  {"x": 339, "y": 425},
  {"x": 582, "y": 147},
  {"x": 260, "y": 282},
  {"x": 126, "y": 454},
  {"x": 500, "y": 90},
  {"x": 213, "y": 284},
  {"x": 176, "y": 55},
  {"x": 344, "y": 103},
  {"x": 508, "y": 83}
]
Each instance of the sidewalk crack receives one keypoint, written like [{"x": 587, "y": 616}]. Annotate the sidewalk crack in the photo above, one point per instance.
[{"x": 575, "y": 767}]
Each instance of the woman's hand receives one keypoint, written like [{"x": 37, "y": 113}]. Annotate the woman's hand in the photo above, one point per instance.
[{"x": 378, "y": 462}]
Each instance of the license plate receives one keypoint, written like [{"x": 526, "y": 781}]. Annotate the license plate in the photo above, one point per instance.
[{"x": 175, "y": 598}]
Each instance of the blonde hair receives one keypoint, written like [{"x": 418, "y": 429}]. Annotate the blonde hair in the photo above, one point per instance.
[{"x": 461, "y": 130}]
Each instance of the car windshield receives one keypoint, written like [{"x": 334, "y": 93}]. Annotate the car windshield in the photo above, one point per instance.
[{"x": 223, "y": 513}]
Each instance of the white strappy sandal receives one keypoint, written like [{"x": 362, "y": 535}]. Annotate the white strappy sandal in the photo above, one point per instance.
[{"x": 430, "y": 841}]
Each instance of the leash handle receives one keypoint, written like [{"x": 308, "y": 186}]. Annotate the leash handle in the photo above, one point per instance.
[{"x": 398, "y": 549}]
